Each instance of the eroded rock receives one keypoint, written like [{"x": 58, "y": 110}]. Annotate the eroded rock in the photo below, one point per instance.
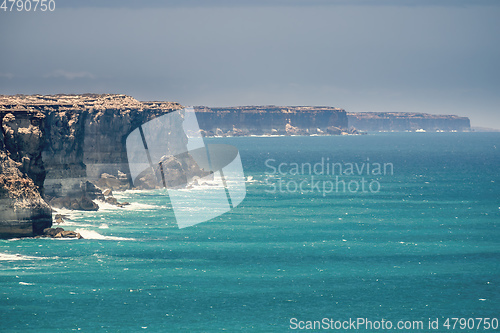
[
  {"x": 60, "y": 233},
  {"x": 82, "y": 203}
]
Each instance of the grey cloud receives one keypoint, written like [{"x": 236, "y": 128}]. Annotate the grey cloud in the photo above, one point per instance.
[{"x": 59, "y": 73}]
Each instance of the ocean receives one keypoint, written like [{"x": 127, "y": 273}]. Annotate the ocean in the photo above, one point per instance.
[{"x": 368, "y": 229}]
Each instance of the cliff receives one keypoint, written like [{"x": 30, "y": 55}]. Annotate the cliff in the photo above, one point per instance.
[
  {"x": 267, "y": 120},
  {"x": 402, "y": 121},
  {"x": 63, "y": 149},
  {"x": 52, "y": 146},
  {"x": 23, "y": 212}
]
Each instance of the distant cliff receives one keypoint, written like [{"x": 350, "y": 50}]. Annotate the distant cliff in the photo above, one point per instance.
[
  {"x": 271, "y": 120},
  {"x": 402, "y": 121}
]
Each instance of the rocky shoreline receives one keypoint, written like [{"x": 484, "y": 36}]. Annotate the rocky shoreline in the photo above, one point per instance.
[{"x": 59, "y": 233}]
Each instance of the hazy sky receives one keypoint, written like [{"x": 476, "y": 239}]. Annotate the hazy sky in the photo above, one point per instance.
[{"x": 415, "y": 56}]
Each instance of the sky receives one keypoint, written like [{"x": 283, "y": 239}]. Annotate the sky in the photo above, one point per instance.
[{"x": 440, "y": 57}]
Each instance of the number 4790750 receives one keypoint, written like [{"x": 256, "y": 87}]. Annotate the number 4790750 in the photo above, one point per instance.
[{"x": 28, "y": 5}]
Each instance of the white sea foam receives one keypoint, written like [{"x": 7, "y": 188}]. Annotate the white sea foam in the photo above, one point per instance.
[
  {"x": 16, "y": 257},
  {"x": 269, "y": 136},
  {"x": 68, "y": 213},
  {"x": 131, "y": 191},
  {"x": 104, "y": 206},
  {"x": 139, "y": 206},
  {"x": 70, "y": 218},
  {"x": 91, "y": 234},
  {"x": 206, "y": 185},
  {"x": 72, "y": 224},
  {"x": 135, "y": 206}
]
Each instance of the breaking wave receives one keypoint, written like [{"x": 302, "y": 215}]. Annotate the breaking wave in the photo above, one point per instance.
[
  {"x": 91, "y": 234},
  {"x": 16, "y": 257}
]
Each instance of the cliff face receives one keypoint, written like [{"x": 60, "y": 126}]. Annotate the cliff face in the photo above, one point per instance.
[
  {"x": 51, "y": 146},
  {"x": 83, "y": 136},
  {"x": 23, "y": 212},
  {"x": 400, "y": 122},
  {"x": 279, "y": 120},
  {"x": 106, "y": 129}
]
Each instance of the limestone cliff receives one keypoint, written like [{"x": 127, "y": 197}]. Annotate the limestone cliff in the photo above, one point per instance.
[
  {"x": 84, "y": 136},
  {"x": 23, "y": 212},
  {"x": 51, "y": 146},
  {"x": 65, "y": 148},
  {"x": 402, "y": 121},
  {"x": 278, "y": 120}
]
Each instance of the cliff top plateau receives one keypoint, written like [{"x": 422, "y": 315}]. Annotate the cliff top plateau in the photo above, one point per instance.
[{"x": 62, "y": 102}]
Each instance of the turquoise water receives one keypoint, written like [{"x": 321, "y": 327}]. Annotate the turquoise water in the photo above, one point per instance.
[{"x": 426, "y": 245}]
